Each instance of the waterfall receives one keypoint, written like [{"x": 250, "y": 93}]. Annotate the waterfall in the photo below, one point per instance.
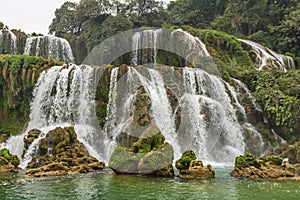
[
  {"x": 195, "y": 44},
  {"x": 143, "y": 40},
  {"x": 49, "y": 47},
  {"x": 268, "y": 59},
  {"x": 63, "y": 96},
  {"x": 209, "y": 119},
  {"x": 8, "y": 42},
  {"x": 160, "y": 107},
  {"x": 190, "y": 47}
]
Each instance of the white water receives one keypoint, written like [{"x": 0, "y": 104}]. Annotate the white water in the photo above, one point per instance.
[
  {"x": 142, "y": 40},
  {"x": 64, "y": 96},
  {"x": 160, "y": 107},
  {"x": 49, "y": 47},
  {"x": 268, "y": 59},
  {"x": 213, "y": 129},
  {"x": 8, "y": 35},
  {"x": 195, "y": 44}
]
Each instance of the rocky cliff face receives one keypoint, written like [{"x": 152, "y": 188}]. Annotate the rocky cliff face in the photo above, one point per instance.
[{"x": 18, "y": 77}]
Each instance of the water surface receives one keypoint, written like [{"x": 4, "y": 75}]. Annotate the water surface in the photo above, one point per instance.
[{"x": 105, "y": 185}]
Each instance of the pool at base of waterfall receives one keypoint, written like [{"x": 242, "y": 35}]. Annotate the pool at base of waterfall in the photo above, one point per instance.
[{"x": 106, "y": 185}]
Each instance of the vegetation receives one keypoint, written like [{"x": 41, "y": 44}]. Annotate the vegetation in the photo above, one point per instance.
[
  {"x": 185, "y": 160},
  {"x": 269, "y": 22},
  {"x": 19, "y": 74},
  {"x": 278, "y": 93}
]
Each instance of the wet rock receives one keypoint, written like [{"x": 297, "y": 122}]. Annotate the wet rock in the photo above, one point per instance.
[
  {"x": 8, "y": 161},
  {"x": 61, "y": 153},
  {"x": 292, "y": 152},
  {"x": 190, "y": 168},
  {"x": 31, "y": 136},
  {"x": 197, "y": 170},
  {"x": 267, "y": 167},
  {"x": 149, "y": 156}
]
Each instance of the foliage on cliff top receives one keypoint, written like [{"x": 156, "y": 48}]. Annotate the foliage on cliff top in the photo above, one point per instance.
[
  {"x": 19, "y": 74},
  {"x": 226, "y": 50}
]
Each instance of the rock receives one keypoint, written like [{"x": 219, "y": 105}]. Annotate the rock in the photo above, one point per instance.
[
  {"x": 292, "y": 152},
  {"x": 31, "y": 136},
  {"x": 151, "y": 139},
  {"x": 185, "y": 160},
  {"x": 149, "y": 156},
  {"x": 61, "y": 153},
  {"x": 267, "y": 167},
  {"x": 158, "y": 163},
  {"x": 191, "y": 168},
  {"x": 197, "y": 170},
  {"x": 8, "y": 161},
  {"x": 142, "y": 107}
]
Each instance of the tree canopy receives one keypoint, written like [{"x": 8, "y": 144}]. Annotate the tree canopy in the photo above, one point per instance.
[{"x": 274, "y": 23}]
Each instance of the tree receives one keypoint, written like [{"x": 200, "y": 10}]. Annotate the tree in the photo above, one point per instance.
[
  {"x": 196, "y": 13},
  {"x": 242, "y": 17},
  {"x": 145, "y": 12},
  {"x": 287, "y": 34},
  {"x": 1, "y": 25},
  {"x": 65, "y": 20},
  {"x": 114, "y": 25}
]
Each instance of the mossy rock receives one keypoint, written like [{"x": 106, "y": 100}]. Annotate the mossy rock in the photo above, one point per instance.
[
  {"x": 123, "y": 161},
  {"x": 151, "y": 139},
  {"x": 246, "y": 160},
  {"x": 6, "y": 158},
  {"x": 57, "y": 139},
  {"x": 5, "y": 154},
  {"x": 185, "y": 160},
  {"x": 156, "y": 160},
  {"x": 273, "y": 160}
]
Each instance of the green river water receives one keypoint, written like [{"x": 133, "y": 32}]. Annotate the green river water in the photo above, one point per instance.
[{"x": 105, "y": 185}]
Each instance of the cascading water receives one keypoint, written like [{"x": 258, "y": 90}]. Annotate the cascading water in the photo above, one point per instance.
[
  {"x": 159, "y": 39},
  {"x": 8, "y": 42},
  {"x": 49, "y": 47},
  {"x": 214, "y": 132},
  {"x": 195, "y": 44},
  {"x": 64, "y": 96},
  {"x": 143, "y": 40},
  {"x": 268, "y": 59},
  {"x": 160, "y": 107}
]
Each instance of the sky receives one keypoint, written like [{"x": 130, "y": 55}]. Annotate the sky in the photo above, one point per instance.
[{"x": 30, "y": 15}]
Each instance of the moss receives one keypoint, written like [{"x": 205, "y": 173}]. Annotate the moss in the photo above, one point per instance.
[
  {"x": 15, "y": 161},
  {"x": 231, "y": 59},
  {"x": 5, "y": 154},
  {"x": 72, "y": 133},
  {"x": 274, "y": 160},
  {"x": 246, "y": 160},
  {"x": 19, "y": 73},
  {"x": 151, "y": 139},
  {"x": 185, "y": 160},
  {"x": 125, "y": 161}
]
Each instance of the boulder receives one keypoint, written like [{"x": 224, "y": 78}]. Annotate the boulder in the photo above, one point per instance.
[
  {"x": 190, "y": 168},
  {"x": 148, "y": 156},
  {"x": 8, "y": 161},
  {"x": 292, "y": 152},
  {"x": 31, "y": 136},
  {"x": 197, "y": 170},
  {"x": 61, "y": 153},
  {"x": 267, "y": 167}
]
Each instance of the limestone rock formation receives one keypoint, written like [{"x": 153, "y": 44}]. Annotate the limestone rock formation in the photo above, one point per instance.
[
  {"x": 191, "y": 168},
  {"x": 149, "y": 156},
  {"x": 60, "y": 153},
  {"x": 267, "y": 167},
  {"x": 8, "y": 162},
  {"x": 292, "y": 152}
]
